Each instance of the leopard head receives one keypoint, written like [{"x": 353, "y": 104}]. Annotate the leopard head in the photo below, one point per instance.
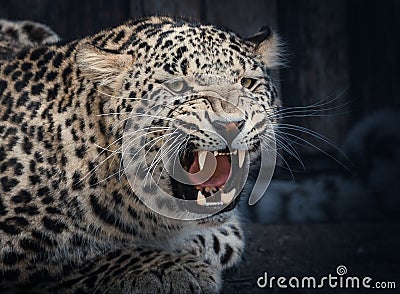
[{"x": 196, "y": 105}]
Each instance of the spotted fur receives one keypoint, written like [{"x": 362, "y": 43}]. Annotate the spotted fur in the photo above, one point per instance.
[{"x": 66, "y": 223}]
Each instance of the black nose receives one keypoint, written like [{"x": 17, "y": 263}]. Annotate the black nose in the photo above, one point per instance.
[{"x": 228, "y": 130}]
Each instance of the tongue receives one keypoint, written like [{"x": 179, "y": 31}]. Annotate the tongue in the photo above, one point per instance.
[{"x": 220, "y": 175}]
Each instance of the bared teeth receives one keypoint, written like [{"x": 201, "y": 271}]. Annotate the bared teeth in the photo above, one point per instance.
[
  {"x": 214, "y": 203},
  {"x": 228, "y": 197},
  {"x": 202, "y": 159},
  {"x": 216, "y": 153},
  {"x": 201, "y": 200},
  {"x": 241, "y": 156}
]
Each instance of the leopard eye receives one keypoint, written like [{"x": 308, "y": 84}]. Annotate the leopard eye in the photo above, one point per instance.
[
  {"x": 248, "y": 82},
  {"x": 176, "y": 85}
]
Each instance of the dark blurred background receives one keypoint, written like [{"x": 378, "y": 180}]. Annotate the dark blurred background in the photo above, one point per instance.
[{"x": 342, "y": 56}]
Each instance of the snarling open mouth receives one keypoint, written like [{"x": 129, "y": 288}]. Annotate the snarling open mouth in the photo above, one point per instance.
[{"x": 214, "y": 178}]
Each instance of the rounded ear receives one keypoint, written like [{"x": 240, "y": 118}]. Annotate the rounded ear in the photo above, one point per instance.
[
  {"x": 266, "y": 47},
  {"x": 102, "y": 66}
]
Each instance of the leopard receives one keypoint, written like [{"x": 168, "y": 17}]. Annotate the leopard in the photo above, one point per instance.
[{"x": 76, "y": 215}]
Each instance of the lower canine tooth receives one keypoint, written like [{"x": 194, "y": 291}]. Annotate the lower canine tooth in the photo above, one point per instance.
[
  {"x": 228, "y": 197},
  {"x": 241, "y": 156},
  {"x": 201, "y": 200}
]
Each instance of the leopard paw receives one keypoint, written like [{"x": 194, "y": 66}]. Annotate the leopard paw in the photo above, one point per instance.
[{"x": 191, "y": 276}]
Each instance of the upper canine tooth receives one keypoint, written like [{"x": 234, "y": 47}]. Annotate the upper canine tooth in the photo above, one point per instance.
[
  {"x": 215, "y": 153},
  {"x": 201, "y": 200},
  {"x": 241, "y": 155},
  {"x": 234, "y": 152},
  {"x": 228, "y": 197},
  {"x": 202, "y": 159}
]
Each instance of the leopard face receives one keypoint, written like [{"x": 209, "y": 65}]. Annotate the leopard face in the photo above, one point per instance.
[{"x": 207, "y": 99}]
